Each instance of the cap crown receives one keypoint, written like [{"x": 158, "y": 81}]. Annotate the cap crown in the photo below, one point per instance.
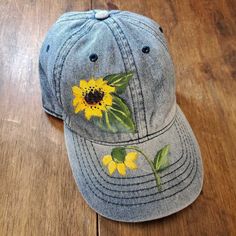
[{"x": 119, "y": 42}]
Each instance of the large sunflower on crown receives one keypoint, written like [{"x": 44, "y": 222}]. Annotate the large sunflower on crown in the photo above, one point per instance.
[
  {"x": 92, "y": 97},
  {"x": 99, "y": 99}
]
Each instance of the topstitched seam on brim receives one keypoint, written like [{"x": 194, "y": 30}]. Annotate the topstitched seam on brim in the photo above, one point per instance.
[
  {"x": 132, "y": 184},
  {"x": 143, "y": 202},
  {"x": 135, "y": 176}
]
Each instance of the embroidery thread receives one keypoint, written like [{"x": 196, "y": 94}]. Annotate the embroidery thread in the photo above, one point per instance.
[
  {"x": 100, "y": 101},
  {"x": 120, "y": 160}
]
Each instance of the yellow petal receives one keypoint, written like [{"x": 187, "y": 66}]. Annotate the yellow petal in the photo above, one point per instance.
[
  {"x": 107, "y": 99},
  {"x": 131, "y": 156},
  {"x": 77, "y": 100},
  {"x": 83, "y": 84},
  {"x": 130, "y": 160},
  {"x": 88, "y": 113},
  {"x": 132, "y": 165},
  {"x": 100, "y": 82},
  {"x": 112, "y": 167},
  {"x": 91, "y": 82},
  {"x": 121, "y": 168},
  {"x": 97, "y": 112},
  {"x": 80, "y": 107},
  {"x": 102, "y": 107},
  {"x": 106, "y": 159},
  {"x": 108, "y": 89},
  {"x": 77, "y": 91}
]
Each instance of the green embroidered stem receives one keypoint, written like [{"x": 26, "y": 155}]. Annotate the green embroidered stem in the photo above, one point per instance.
[{"x": 157, "y": 177}]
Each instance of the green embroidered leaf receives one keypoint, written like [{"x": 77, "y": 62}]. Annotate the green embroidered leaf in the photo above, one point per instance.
[
  {"x": 119, "y": 81},
  {"x": 161, "y": 160},
  {"x": 118, "y": 154},
  {"x": 117, "y": 118}
]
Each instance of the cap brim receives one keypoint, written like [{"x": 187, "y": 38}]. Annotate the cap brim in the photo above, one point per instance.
[{"x": 135, "y": 197}]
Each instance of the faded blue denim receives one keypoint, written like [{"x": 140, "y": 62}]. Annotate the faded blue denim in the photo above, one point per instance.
[{"x": 118, "y": 41}]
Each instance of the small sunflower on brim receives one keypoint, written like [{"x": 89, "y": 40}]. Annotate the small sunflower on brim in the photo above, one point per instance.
[
  {"x": 92, "y": 97},
  {"x": 120, "y": 160}
]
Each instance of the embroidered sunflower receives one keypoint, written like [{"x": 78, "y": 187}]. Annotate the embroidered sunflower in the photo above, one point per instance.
[
  {"x": 119, "y": 160},
  {"x": 92, "y": 97}
]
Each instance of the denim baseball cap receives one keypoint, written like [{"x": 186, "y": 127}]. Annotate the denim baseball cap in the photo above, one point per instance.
[{"x": 109, "y": 76}]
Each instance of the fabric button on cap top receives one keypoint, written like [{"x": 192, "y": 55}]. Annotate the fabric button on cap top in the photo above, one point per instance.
[{"x": 101, "y": 15}]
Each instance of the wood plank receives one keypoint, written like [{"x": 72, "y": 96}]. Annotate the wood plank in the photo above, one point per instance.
[
  {"x": 38, "y": 195},
  {"x": 202, "y": 41}
]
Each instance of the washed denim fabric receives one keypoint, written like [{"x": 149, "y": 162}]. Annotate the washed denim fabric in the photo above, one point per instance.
[{"x": 118, "y": 40}]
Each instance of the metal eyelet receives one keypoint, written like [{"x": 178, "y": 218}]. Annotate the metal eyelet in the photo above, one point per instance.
[
  {"x": 146, "y": 49},
  {"x": 93, "y": 57}
]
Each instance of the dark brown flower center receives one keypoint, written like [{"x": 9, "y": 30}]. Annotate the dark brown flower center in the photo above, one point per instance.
[{"x": 93, "y": 97}]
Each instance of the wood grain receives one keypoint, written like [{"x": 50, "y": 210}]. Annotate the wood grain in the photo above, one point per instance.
[{"x": 38, "y": 195}]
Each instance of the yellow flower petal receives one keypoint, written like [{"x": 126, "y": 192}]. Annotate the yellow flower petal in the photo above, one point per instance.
[
  {"x": 102, "y": 107},
  {"x": 112, "y": 167},
  {"x": 83, "y": 84},
  {"x": 88, "y": 87},
  {"x": 97, "y": 112},
  {"x": 88, "y": 113},
  {"x": 107, "y": 99},
  {"x": 130, "y": 164},
  {"x": 91, "y": 82},
  {"x": 121, "y": 168},
  {"x": 131, "y": 156},
  {"x": 77, "y": 91},
  {"x": 130, "y": 160},
  {"x": 100, "y": 82},
  {"x": 106, "y": 159},
  {"x": 108, "y": 89},
  {"x": 80, "y": 107},
  {"x": 77, "y": 100}
]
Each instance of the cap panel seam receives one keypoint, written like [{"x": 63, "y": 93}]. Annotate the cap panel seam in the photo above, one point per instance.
[
  {"x": 154, "y": 33},
  {"x": 131, "y": 18},
  {"x": 56, "y": 66},
  {"x": 121, "y": 46},
  {"x": 138, "y": 88},
  {"x": 62, "y": 55}
]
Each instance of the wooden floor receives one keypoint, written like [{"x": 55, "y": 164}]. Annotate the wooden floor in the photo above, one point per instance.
[{"x": 38, "y": 195}]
